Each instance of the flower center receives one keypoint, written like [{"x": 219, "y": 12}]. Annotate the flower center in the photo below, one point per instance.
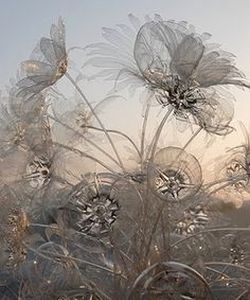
[
  {"x": 96, "y": 215},
  {"x": 237, "y": 254},
  {"x": 172, "y": 91},
  {"x": 38, "y": 171},
  {"x": 237, "y": 172},
  {"x": 194, "y": 219},
  {"x": 61, "y": 68},
  {"x": 82, "y": 120},
  {"x": 169, "y": 182}
]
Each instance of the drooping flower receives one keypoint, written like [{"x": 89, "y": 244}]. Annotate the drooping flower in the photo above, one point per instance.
[{"x": 47, "y": 65}]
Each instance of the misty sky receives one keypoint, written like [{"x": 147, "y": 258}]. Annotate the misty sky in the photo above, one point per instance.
[{"x": 23, "y": 22}]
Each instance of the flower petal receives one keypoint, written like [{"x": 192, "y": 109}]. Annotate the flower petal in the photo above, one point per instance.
[
  {"x": 217, "y": 67},
  {"x": 35, "y": 67},
  {"x": 187, "y": 56}
]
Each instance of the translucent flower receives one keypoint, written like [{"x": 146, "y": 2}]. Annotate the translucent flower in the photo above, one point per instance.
[
  {"x": 47, "y": 65},
  {"x": 115, "y": 56},
  {"x": 73, "y": 125},
  {"x": 101, "y": 206},
  {"x": 12, "y": 132},
  {"x": 93, "y": 207},
  {"x": 175, "y": 174},
  {"x": 194, "y": 220},
  {"x": 204, "y": 212},
  {"x": 27, "y": 166},
  {"x": 23, "y": 127},
  {"x": 183, "y": 71},
  {"x": 234, "y": 172},
  {"x": 178, "y": 65},
  {"x": 38, "y": 171}
]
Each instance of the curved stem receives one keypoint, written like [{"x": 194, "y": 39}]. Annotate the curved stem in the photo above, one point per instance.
[
  {"x": 86, "y": 139},
  {"x": 160, "y": 212},
  {"x": 83, "y": 154},
  {"x": 242, "y": 294},
  {"x": 227, "y": 183},
  {"x": 227, "y": 264},
  {"x": 153, "y": 145},
  {"x": 119, "y": 133},
  {"x": 220, "y": 273},
  {"x": 97, "y": 118},
  {"x": 42, "y": 225},
  {"x": 44, "y": 254},
  {"x": 210, "y": 184},
  {"x": 188, "y": 142},
  {"x": 224, "y": 181},
  {"x": 144, "y": 126},
  {"x": 192, "y": 138},
  {"x": 208, "y": 231},
  {"x": 52, "y": 226}
]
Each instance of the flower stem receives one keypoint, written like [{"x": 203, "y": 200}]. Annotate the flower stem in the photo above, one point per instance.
[
  {"x": 85, "y": 138},
  {"x": 119, "y": 133},
  {"x": 144, "y": 126},
  {"x": 153, "y": 145},
  {"x": 97, "y": 118},
  {"x": 208, "y": 231},
  {"x": 45, "y": 254},
  {"x": 192, "y": 138},
  {"x": 83, "y": 154},
  {"x": 227, "y": 183},
  {"x": 159, "y": 215},
  {"x": 188, "y": 142}
]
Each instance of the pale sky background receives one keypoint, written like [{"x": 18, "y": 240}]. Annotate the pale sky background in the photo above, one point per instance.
[{"x": 23, "y": 22}]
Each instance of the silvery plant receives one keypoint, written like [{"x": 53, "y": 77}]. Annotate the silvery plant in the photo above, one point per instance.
[{"x": 77, "y": 221}]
